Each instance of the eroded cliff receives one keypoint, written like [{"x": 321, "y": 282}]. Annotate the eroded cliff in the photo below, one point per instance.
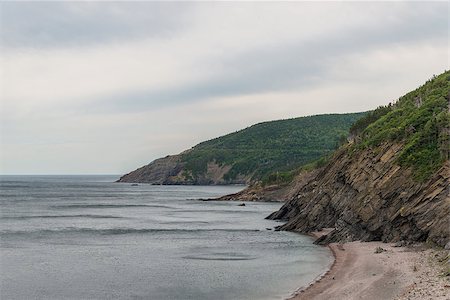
[{"x": 368, "y": 196}]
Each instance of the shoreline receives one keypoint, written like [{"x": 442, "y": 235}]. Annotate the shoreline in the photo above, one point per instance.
[
  {"x": 301, "y": 290},
  {"x": 358, "y": 272}
]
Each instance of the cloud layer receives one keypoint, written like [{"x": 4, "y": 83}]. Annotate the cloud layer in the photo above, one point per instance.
[{"x": 105, "y": 87}]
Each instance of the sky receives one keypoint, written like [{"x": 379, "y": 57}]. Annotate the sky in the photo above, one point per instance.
[{"x": 106, "y": 87}]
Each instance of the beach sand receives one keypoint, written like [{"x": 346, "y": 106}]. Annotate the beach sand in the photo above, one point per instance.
[{"x": 396, "y": 273}]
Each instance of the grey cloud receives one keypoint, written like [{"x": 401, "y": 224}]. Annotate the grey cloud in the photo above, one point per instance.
[
  {"x": 97, "y": 142},
  {"x": 292, "y": 66},
  {"x": 274, "y": 67},
  {"x": 47, "y": 24}
]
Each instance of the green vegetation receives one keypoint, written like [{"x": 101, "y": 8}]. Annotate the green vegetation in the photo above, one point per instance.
[
  {"x": 279, "y": 178},
  {"x": 274, "y": 152},
  {"x": 358, "y": 127},
  {"x": 271, "y": 151},
  {"x": 419, "y": 120}
]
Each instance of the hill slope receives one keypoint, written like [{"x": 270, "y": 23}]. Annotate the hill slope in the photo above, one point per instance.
[
  {"x": 391, "y": 183},
  {"x": 250, "y": 154}
]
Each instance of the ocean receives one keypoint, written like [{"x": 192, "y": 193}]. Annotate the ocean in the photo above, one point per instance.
[{"x": 86, "y": 237}]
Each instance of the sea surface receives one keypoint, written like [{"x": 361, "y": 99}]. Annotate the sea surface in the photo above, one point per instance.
[{"x": 86, "y": 237}]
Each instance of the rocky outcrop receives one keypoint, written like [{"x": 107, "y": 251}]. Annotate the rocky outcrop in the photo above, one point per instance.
[
  {"x": 366, "y": 196},
  {"x": 257, "y": 193},
  {"x": 161, "y": 171},
  {"x": 271, "y": 193},
  {"x": 171, "y": 170}
]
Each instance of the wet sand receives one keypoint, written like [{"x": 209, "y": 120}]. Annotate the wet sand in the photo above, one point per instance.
[{"x": 394, "y": 273}]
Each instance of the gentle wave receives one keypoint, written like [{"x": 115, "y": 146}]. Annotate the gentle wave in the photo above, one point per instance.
[
  {"x": 63, "y": 206},
  {"x": 221, "y": 256},
  {"x": 220, "y": 211},
  {"x": 117, "y": 231},
  {"x": 61, "y": 216},
  {"x": 186, "y": 222}
]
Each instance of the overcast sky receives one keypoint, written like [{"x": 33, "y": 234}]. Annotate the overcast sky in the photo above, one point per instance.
[{"x": 107, "y": 87}]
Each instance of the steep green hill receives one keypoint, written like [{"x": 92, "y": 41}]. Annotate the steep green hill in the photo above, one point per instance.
[{"x": 251, "y": 154}]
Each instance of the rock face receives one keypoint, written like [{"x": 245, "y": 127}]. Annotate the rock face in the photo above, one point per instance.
[
  {"x": 161, "y": 171},
  {"x": 170, "y": 171},
  {"x": 367, "y": 196}
]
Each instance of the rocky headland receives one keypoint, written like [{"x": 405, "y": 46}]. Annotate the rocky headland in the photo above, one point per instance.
[
  {"x": 390, "y": 183},
  {"x": 171, "y": 170},
  {"x": 367, "y": 196}
]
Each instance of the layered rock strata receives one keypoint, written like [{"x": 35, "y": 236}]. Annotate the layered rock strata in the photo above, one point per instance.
[{"x": 367, "y": 196}]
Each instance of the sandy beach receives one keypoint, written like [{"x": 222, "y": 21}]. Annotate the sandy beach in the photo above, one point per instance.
[{"x": 413, "y": 272}]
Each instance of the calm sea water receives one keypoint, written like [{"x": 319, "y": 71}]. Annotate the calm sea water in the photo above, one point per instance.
[{"x": 85, "y": 237}]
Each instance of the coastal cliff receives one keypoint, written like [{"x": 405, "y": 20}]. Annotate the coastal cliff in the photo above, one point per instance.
[
  {"x": 369, "y": 197},
  {"x": 390, "y": 183}
]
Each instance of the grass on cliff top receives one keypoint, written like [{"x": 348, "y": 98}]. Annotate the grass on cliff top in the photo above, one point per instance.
[
  {"x": 420, "y": 120},
  {"x": 270, "y": 151}
]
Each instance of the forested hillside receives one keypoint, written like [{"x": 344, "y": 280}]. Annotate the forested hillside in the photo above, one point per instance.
[
  {"x": 251, "y": 154},
  {"x": 272, "y": 146}
]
